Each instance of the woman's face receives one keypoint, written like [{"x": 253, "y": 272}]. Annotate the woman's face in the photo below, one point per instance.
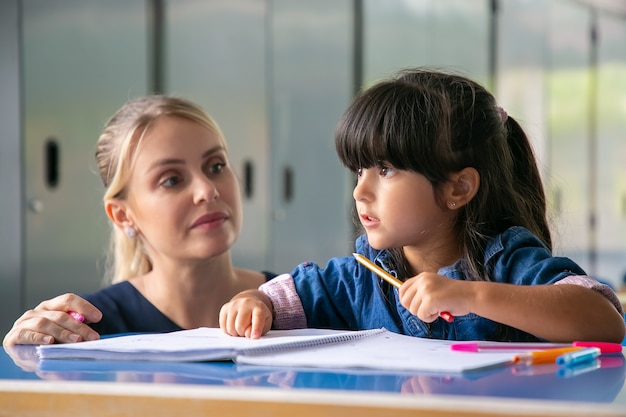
[{"x": 183, "y": 197}]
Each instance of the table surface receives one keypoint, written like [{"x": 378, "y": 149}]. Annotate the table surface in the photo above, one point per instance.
[{"x": 107, "y": 388}]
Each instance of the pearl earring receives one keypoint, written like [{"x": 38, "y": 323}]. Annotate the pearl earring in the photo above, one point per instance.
[
  {"x": 452, "y": 204},
  {"x": 130, "y": 232}
]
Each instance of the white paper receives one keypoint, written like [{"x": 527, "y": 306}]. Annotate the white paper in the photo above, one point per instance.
[
  {"x": 387, "y": 351},
  {"x": 315, "y": 348}
]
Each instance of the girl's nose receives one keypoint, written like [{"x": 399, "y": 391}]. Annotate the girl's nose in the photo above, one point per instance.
[{"x": 362, "y": 189}]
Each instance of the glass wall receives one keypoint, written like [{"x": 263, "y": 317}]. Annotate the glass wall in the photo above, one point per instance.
[
  {"x": 76, "y": 72},
  {"x": 405, "y": 33},
  {"x": 569, "y": 92},
  {"x": 215, "y": 54},
  {"x": 610, "y": 135}
]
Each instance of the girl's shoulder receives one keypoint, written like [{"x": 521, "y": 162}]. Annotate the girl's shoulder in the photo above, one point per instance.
[
  {"x": 512, "y": 238},
  {"x": 521, "y": 257}
]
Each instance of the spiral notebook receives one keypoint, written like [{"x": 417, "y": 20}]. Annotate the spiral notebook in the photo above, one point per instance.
[
  {"x": 317, "y": 348},
  {"x": 201, "y": 344}
]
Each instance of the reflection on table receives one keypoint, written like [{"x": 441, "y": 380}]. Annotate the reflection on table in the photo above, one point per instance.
[{"x": 599, "y": 381}]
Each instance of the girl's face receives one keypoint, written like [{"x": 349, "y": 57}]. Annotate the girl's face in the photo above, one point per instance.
[
  {"x": 183, "y": 196},
  {"x": 398, "y": 209}
]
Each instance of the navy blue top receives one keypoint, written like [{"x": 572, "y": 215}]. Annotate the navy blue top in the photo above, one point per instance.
[{"x": 126, "y": 310}]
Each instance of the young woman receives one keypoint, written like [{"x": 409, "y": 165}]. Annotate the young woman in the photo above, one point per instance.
[
  {"x": 452, "y": 204},
  {"x": 175, "y": 210}
]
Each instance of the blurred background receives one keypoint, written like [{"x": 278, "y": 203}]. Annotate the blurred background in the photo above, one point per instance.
[{"x": 277, "y": 75}]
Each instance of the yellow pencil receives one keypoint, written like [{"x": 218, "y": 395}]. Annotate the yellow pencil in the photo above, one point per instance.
[
  {"x": 377, "y": 270},
  {"x": 391, "y": 279}
]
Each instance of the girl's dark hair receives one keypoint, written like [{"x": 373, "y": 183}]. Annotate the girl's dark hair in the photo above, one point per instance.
[{"x": 436, "y": 123}]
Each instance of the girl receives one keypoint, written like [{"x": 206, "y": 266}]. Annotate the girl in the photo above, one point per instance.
[
  {"x": 451, "y": 200},
  {"x": 175, "y": 207}
]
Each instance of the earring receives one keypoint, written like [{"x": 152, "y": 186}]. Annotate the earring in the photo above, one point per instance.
[
  {"x": 452, "y": 204},
  {"x": 130, "y": 232}
]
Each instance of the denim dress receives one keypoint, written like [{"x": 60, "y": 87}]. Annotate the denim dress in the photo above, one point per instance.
[{"x": 346, "y": 295}]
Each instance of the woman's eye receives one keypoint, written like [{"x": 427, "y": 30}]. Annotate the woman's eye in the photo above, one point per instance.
[
  {"x": 216, "y": 168},
  {"x": 171, "y": 181}
]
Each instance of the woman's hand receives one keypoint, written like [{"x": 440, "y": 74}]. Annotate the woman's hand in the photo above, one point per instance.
[
  {"x": 51, "y": 322},
  {"x": 248, "y": 314}
]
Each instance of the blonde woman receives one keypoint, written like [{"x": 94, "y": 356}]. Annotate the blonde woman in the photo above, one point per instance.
[{"x": 175, "y": 209}]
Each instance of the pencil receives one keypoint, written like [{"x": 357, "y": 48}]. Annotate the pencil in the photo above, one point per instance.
[
  {"x": 378, "y": 270},
  {"x": 391, "y": 279}
]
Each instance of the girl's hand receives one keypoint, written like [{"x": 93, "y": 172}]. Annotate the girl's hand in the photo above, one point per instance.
[
  {"x": 51, "y": 322},
  {"x": 428, "y": 294},
  {"x": 248, "y": 314}
]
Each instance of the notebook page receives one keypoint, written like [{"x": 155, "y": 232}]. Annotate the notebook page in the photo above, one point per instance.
[{"x": 386, "y": 351}]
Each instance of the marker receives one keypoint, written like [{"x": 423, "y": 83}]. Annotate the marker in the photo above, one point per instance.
[
  {"x": 583, "y": 368},
  {"x": 504, "y": 346},
  {"x": 391, "y": 279},
  {"x": 544, "y": 356},
  {"x": 605, "y": 347},
  {"x": 576, "y": 358},
  {"x": 76, "y": 316}
]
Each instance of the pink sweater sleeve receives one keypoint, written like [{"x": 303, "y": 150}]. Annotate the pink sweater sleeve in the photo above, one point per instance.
[
  {"x": 288, "y": 310},
  {"x": 588, "y": 282}
]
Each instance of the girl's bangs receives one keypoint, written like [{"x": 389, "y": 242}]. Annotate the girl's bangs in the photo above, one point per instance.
[{"x": 367, "y": 134}]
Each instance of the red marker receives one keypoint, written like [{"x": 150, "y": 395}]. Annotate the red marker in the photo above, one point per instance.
[{"x": 605, "y": 347}]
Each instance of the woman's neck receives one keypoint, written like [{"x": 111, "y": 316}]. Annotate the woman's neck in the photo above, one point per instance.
[{"x": 192, "y": 294}]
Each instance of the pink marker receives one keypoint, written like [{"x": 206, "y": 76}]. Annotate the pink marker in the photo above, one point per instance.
[
  {"x": 605, "y": 347},
  {"x": 76, "y": 316},
  {"x": 503, "y": 346}
]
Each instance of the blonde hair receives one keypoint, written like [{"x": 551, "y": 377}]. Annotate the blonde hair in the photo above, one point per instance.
[{"x": 115, "y": 155}]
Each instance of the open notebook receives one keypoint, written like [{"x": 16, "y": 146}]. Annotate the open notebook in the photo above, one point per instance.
[{"x": 371, "y": 349}]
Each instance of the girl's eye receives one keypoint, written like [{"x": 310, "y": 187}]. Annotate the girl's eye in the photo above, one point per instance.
[
  {"x": 171, "y": 181},
  {"x": 386, "y": 171},
  {"x": 359, "y": 172}
]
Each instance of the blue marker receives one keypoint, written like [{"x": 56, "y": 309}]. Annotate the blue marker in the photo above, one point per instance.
[
  {"x": 572, "y": 371},
  {"x": 578, "y": 357}
]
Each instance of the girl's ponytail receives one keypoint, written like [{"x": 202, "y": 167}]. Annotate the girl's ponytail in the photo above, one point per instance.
[{"x": 528, "y": 184}]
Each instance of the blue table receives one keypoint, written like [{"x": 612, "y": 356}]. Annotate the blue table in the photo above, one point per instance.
[{"x": 63, "y": 387}]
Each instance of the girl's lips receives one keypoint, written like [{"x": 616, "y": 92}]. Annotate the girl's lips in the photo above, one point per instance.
[
  {"x": 209, "y": 219},
  {"x": 368, "y": 221}
]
